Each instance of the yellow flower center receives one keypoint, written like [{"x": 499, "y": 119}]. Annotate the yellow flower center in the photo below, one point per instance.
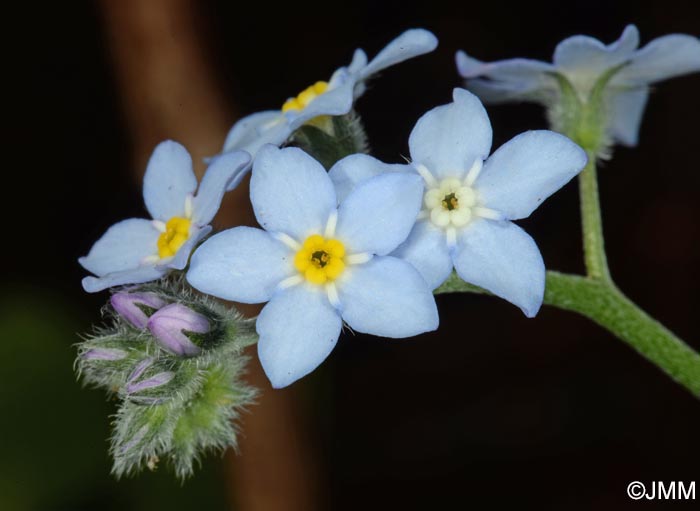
[
  {"x": 177, "y": 231},
  {"x": 305, "y": 97},
  {"x": 320, "y": 260}
]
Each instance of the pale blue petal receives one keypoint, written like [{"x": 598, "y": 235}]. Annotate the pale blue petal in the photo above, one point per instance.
[
  {"x": 450, "y": 138},
  {"x": 625, "y": 117},
  {"x": 123, "y": 247},
  {"x": 526, "y": 170},
  {"x": 254, "y": 131},
  {"x": 426, "y": 250},
  {"x": 663, "y": 58},
  {"x": 411, "y": 43},
  {"x": 298, "y": 329},
  {"x": 359, "y": 61},
  {"x": 179, "y": 261},
  {"x": 506, "y": 80},
  {"x": 169, "y": 179},
  {"x": 503, "y": 259},
  {"x": 379, "y": 214},
  {"x": 352, "y": 170},
  {"x": 139, "y": 275},
  {"x": 387, "y": 297},
  {"x": 582, "y": 53},
  {"x": 291, "y": 192},
  {"x": 242, "y": 264},
  {"x": 220, "y": 173},
  {"x": 337, "y": 100}
]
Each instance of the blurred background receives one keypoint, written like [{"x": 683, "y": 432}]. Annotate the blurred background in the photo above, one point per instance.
[{"x": 492, "y": 410}]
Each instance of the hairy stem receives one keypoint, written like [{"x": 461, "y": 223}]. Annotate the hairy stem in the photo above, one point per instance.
[
  {"x": 603, "y": 303},
  {"x": 592, "y": 224}
]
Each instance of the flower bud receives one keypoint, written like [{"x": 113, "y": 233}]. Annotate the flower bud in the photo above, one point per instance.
[
  {"x": 104, "y": 354},
  {"x": 169, "y": 325},
  {"x": 130, "y": 306}
]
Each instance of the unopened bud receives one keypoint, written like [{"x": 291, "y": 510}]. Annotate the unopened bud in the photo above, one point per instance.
[
  {"x": 169, "y": 325},
  {"x": 130, "y": 306},
  {"x": 104, "y": 354}
]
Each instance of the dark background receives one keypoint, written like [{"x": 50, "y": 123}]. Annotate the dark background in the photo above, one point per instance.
[{"x": 492, "y": 410}]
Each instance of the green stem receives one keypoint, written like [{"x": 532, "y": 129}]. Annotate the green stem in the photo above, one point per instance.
[
  {"x": 592, "y": 225},
  {"x": 603, "y": 303}
]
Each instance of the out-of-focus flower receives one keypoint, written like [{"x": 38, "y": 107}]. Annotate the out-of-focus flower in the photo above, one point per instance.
[
  {"x": 468, "y": 202},
  {"x": 616, "y": 75},
  {"x": 138, "y": 250},
  {"x": 318, "y": 263},
  {"x": 323, "y": 99}
]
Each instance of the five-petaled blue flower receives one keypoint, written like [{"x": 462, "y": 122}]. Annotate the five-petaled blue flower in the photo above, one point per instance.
[
  {"x": 318, "y": 263},
  {"x": 468, "y": 202},
  {"x": 583, "y": 61},
  {"x": 332, "y": 98},
  {"x": 139, "y": 250}
]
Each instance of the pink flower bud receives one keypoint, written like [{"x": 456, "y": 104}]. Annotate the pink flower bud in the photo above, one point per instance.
[
  {"x": 169, "y": 325},
  {"x": 128, "y": 306}
]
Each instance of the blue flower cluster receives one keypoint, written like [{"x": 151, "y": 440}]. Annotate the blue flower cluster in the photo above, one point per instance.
[{"x": 366, "y": 243}]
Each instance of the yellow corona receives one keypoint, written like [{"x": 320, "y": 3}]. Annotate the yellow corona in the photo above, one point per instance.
[
  {"x": 177, "y": 231},
  {"x": 305, "y": 97},
  {"x": 320, "y": 260}
]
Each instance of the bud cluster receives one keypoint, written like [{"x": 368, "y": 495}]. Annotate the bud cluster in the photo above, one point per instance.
[{"x": 173, "y": 359}]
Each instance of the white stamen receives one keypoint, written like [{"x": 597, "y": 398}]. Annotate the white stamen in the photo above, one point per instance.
[
  {"x": 188, "y": 206},
  {"x": 332, "y": 293},
  {"x": 290, "y": 281},
  {"x": 474, "y": 172},
  {"x": 360, "y": 258},
  {"x": 330, "y": 225},
  {"x": 287, "y": 240},
  {"x": 451, "y": 234},
  {"x": 158, "y": 225},
  {"x": 489, "y": 213},
  {"x": 426, "y": 175}
]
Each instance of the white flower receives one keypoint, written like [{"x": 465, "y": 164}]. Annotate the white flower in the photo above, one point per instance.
[
  {"x": 583, "y": 61},
  {"x": 469, "y": 200}
]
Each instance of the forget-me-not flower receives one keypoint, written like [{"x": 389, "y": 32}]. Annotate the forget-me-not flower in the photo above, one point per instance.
[
  {"x": 318, "y": 263},
  {"x": 583, "y": 61},
  {"x": 138, "y": 250},
  {"x": 332, "y": 98},
  {"x": 469, "y": 201}
]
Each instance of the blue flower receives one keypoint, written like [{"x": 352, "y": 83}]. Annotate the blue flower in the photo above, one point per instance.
[
  {"x": 583, "y": 61},
  {"x": 332, "y": 98},
  {"x": 318, "y": 263},
  {"x": 468, "y": 202},
  {"x": 139, "y": 250}
]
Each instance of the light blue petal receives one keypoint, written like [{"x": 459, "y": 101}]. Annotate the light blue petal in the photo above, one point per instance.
[
  {"x": 379, "y": 214},
  {"x": 352, "y": 170},
  {"x": 122, "y": 247},
  {"x": 179, "y": 261},
  {"x": 291, "y": 192},
  {"x": 625, "y": 117},
  {"x": 449, "y": 138},
  {"x": 526, "y": 170},
  {"x": 410, "y": 44},
  {"x": 426, "y": 250},
  {"x": 337, "y": 100},
  {"x": 240, "y": 264},
  {"x": 506, "y": 80},
  {"x": 120, "y": 278},
  {"x": 503, "y": 259},
  {"x": 359, "y": 61},
  {"x": 387, "y": 297},
  {"x": 298, "y": 329},
  {"x": 220, "y": 173},
  {"x": 663, "y": 58},
  {"x": 254, "y": 131},
  {"x": 169, "y": 179},
  {"x": 579, "y": 53}
]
